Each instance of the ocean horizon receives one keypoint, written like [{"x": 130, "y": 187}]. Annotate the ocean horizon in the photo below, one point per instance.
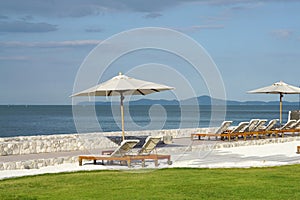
[{"x": 27, "y": 120}]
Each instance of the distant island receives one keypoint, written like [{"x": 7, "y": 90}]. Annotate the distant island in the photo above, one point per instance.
[{"x": 202, "y": 100}]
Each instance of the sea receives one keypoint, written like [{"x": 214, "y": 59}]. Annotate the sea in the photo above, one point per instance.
[{"x": 28, "y": 120}]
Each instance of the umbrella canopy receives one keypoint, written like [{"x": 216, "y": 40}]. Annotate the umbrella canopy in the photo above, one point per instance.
[
  {"x": 280, "y": 88},
  {"x": 122, "y": 85}
]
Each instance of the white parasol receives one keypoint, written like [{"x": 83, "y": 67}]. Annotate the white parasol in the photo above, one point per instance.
[
  {"x": 280, "y": 88},
  {"x": 123, "y": 85}
]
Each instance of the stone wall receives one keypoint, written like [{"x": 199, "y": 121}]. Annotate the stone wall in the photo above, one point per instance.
[
  {"x": 37, "y": 163},
  {"x": 74, "y": 142},
  {"x": 52, "y": 143}
]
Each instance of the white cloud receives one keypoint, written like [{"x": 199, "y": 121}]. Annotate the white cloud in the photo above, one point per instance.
[{"x": 282, "y": 33}]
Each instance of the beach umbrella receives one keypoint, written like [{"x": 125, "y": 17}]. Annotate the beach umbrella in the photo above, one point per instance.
[
  {"x": 122, "y": 85},
  {"x": 280, "y": 88}
]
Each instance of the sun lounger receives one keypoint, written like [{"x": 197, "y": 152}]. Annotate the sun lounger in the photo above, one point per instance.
[
  {"x": 266, "y": 130},
  {"x": 271, "y": 125},
  {"x": 248, "y": 129},
  {"x": 149, "y": 145},
  {"x": 296, "y": 125},
  {"x": 145, "y": 153},
  {"x": 119, "y": 154},
  {"x": 251, "y": 126},
  {"x": 223, "y": 128},
  {"x": 256, "y": 129},
  {"x": 287, "y": 127},
  {"x": 235, "y": 132},
  {"x": 260, "y": 125},
  {"x": 269, "y": 130},
  {"x": 291, "y": 126}
]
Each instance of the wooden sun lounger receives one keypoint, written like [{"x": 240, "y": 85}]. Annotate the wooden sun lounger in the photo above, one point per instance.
[
  {"x": 127, "y": 158},
  {"x": 247, "y": 134},
  {"x": 223, "y": 128}
]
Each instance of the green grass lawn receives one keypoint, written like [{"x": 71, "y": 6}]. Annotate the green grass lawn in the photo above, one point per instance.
[{"x": 255, "y": 183}]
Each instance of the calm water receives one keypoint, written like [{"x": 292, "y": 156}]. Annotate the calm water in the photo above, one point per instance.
[{"x": 47, "y": 120}]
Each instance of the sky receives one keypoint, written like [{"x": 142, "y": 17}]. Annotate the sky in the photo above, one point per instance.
[{"x": 43, "y": 44}]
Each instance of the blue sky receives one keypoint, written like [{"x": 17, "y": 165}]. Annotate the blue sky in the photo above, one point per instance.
[{"x": 43, "y": 43}]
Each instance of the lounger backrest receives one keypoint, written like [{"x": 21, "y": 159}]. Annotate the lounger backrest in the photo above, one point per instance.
[
  {"x": 271, "y": 124},
  {"x": 260, "y": 124},
  {"x": 240, "y": 127},
  {"x": 149, "y": 145},
  {"x": 288, "y": 125},
  {"x": 252, "y": 124},
  {"x": 296, "y": 125},
  {"x": 224, "y": 126},
  {"x": 125, "y": 147}
]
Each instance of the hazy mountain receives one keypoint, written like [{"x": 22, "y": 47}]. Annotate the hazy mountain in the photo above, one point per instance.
[{"x": 202, "y": 100}]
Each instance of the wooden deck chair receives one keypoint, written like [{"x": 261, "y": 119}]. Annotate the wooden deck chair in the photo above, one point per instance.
[
  {"x": 149, "y": 145},
  {"x": 260, "y": 125},
  {"x": 119, "y": 154},
  {"x": 251, "y": 126},
  {"x": 271, "y": 125},
  {"x": 285, "y": 128},
  {"x": 146, "y": 152},
  {"x": 294, "y": 127},
  {"x": 266, "y": 130},
  {"x": 297, "y": 127},
  {"x": 258, "y": 128},
  {"x": 223, "y": 128},
  {"x": 238, "y": 130}
]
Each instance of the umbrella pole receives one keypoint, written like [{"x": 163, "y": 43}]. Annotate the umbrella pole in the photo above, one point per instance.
[
  {"x": 122, "y": 116},
  {"x": 280, "y": 107}
]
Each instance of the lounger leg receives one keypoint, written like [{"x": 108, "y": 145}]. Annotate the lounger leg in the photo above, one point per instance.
[
  {"x": 80, "y": 161},
  {"x": 95, "y": 162},
  {"x": 143, "y": 163},
  {"x": 156, "y": 162},
  {"x": 129, "y": 163}
]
